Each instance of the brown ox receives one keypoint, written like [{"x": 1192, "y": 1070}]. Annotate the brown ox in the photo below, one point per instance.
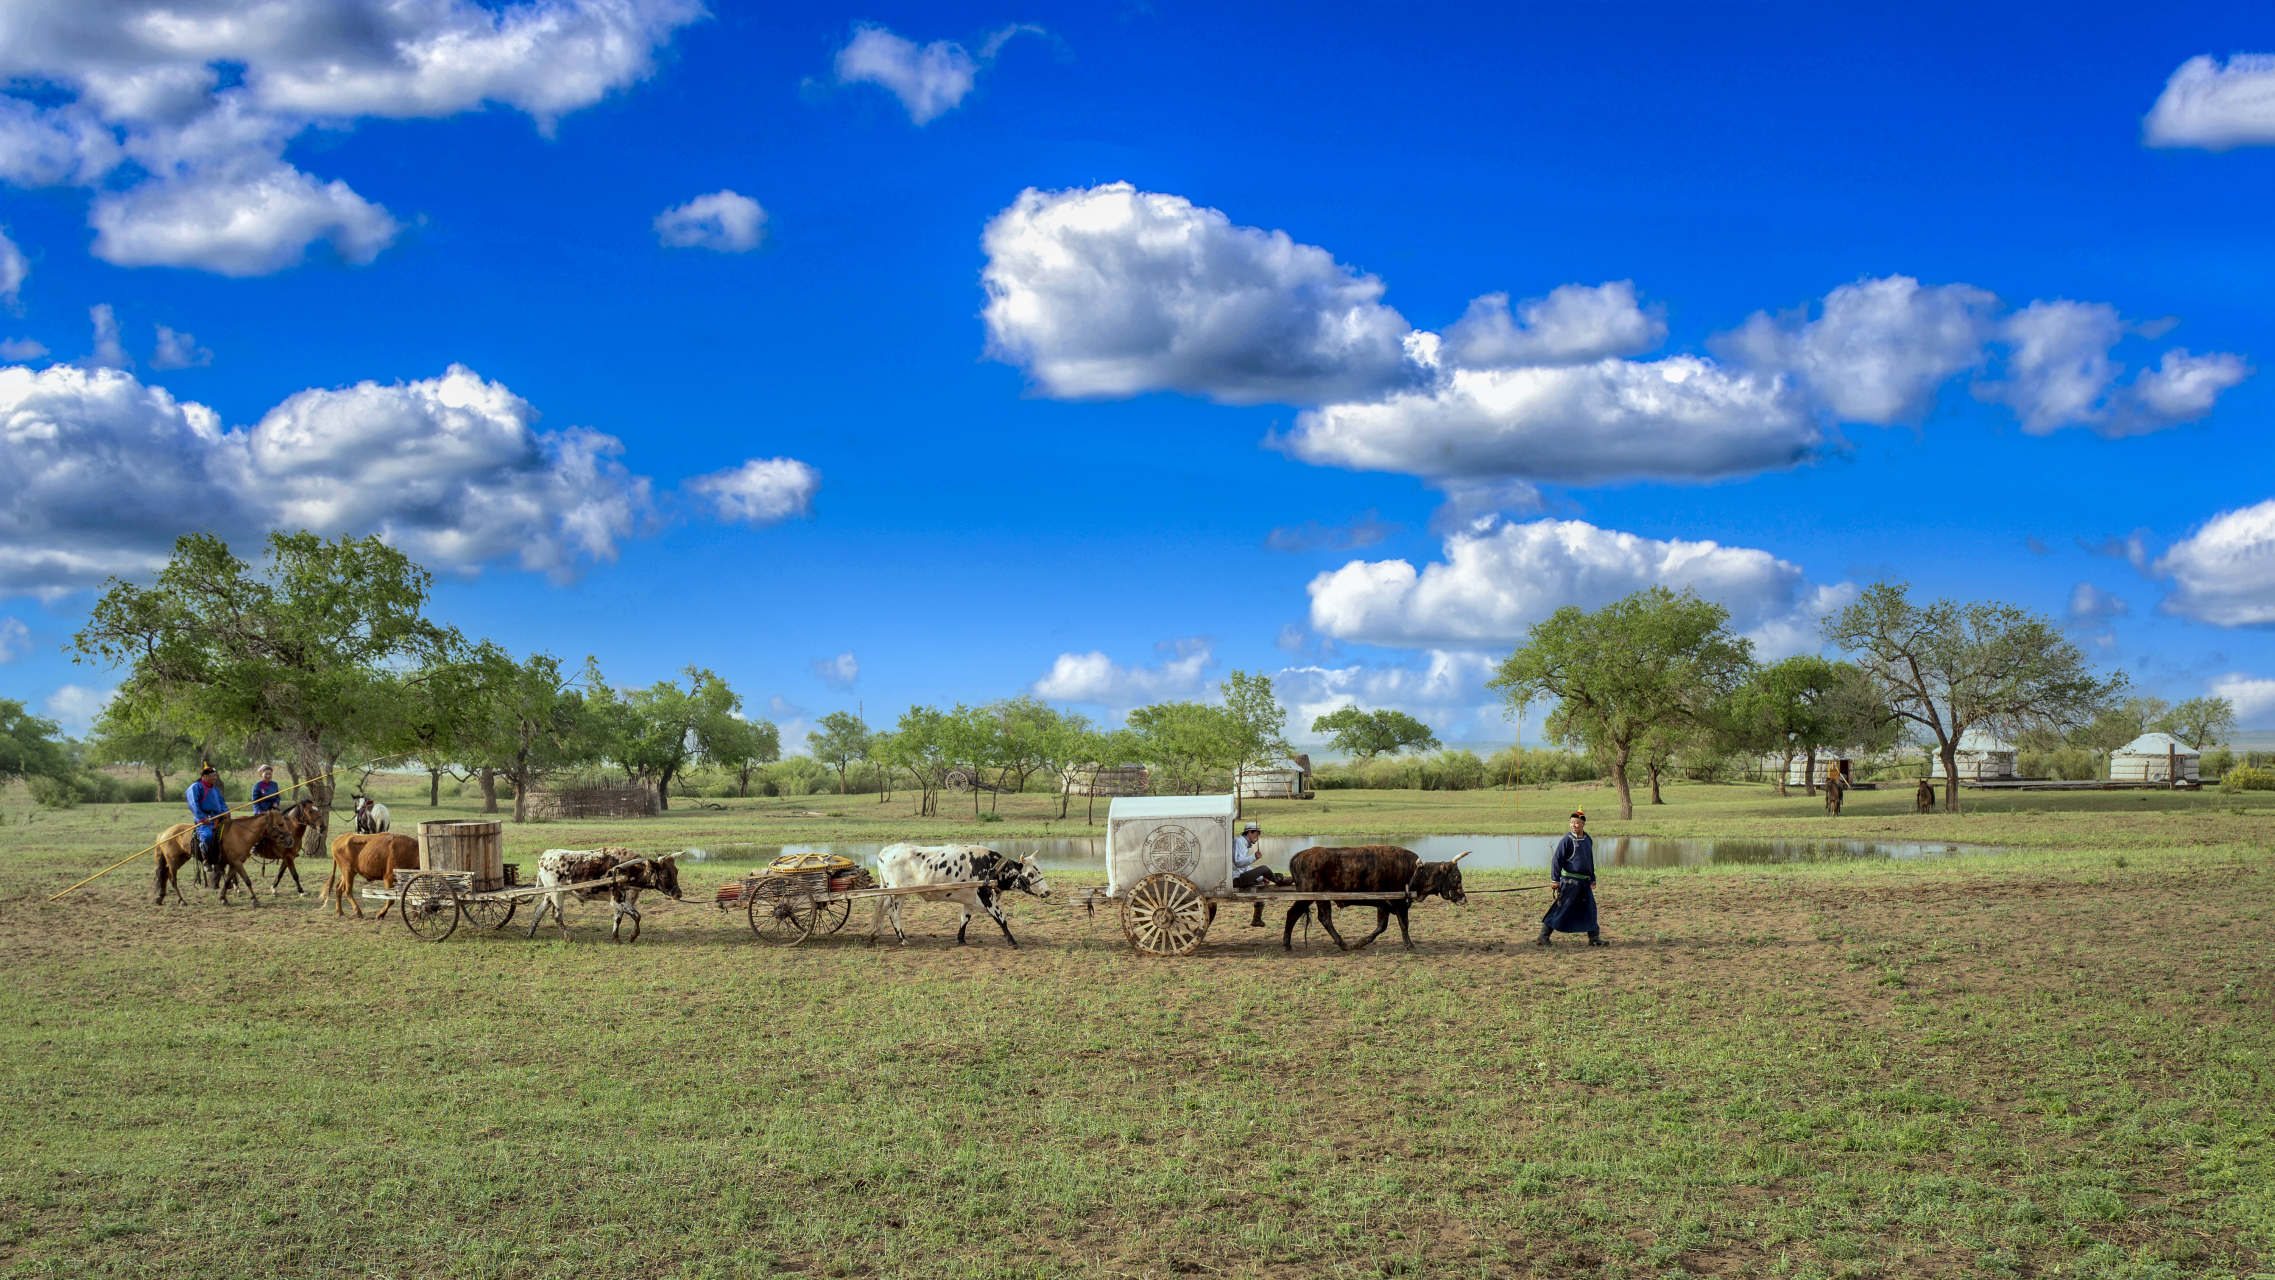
[
  {"x": 240, "y": 837},
  {"x": 1368, "y": 868},
  {"x": 376, "y": 857}
]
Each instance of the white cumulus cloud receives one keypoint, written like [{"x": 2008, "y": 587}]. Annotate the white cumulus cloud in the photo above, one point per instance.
[
  {"x": 99, "y": 473},
  {"x": 1495, "y": 582},
  {"x": 839, "y": 672},
  {"x": 931, "y": 79},
  {"x": 1878, "y": 351},
  {"x": 75, "y": 706},
  {"x": 109, "y": 352},
  {"x": 2224, "y": 573},
  {"x": 1444, "y": 688},
  {"x": 1094, "y": 677},
  {"x": 178, "y": 351},
  {"x": 2215, "y": 106},
  {"x": 18, "y": 350},
  {"x": 723, "y": 220},
  {"x": 1110, "y": 291},
  {"x": 761, "y": 491},
  {"x": 1683, "y": 417},
  {"x": 2252, "y": 696},
  {"x": 2090, "y": 606},
  {"x": 14, "y": 270},
  {"x": 1574, "y": 324},
  {"x": 2060, "y": 373},
  {"x": 202, "y": 97},
  {"x": 15, "y": 639}
]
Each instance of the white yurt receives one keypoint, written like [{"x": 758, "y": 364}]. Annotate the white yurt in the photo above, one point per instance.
[
  {"x": 2152, "y": 757},
  {"x": 1983, "y": 757}
]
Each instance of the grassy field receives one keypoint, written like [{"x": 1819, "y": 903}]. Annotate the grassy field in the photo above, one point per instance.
[{"x": 2052, "y": 1061}]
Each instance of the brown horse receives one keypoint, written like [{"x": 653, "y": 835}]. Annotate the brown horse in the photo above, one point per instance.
[
  {"x": 239, "y": 838},
  {"x": 285, "y": 852},
  {"x": 374, "y": 857}
]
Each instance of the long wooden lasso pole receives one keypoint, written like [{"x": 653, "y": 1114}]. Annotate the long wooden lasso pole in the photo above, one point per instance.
[{"x": 225, "y": 813}]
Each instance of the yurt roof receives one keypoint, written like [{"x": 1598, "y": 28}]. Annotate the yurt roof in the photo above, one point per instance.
[
  {"x": 2156, "y": 744},
  {"x": 1983, "y": 740}
]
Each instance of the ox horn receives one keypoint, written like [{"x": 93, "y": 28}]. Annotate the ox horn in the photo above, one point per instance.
[{"x": 1459, "y": 856}]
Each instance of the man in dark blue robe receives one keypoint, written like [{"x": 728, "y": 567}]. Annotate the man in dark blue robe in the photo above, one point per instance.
[{"x": 1573, "y": 871}]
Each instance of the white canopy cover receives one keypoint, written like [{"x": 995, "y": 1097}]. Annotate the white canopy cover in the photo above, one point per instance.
[{"x": 1190, "y": 836}]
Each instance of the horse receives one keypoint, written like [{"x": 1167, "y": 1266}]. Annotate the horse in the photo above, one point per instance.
[
  {"x": 240, "y": 837},
  {"x": 374, "y": 857},
  {"x": 299, "y": 818}
]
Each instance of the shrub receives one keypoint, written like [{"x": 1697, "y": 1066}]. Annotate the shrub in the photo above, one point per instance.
[
  {"x": 1455, "y": 770},
  {"x": 2248, "y": 778},
  {"x": 53, "y": 793},
  {"x": 2217, "y": 763}
]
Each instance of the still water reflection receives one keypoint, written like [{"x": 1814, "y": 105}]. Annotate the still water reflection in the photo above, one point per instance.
[{"x": 1489, "y": 853}]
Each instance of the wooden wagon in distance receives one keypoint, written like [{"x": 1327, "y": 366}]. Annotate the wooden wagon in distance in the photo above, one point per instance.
[{"x": 1169, "y": 862}]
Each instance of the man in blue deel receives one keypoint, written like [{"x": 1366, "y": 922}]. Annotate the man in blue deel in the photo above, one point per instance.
[
  {"x": 1573, "y": 871},
  {"x": 265, "y": 791},
  {"x": 206, "y": 810}
]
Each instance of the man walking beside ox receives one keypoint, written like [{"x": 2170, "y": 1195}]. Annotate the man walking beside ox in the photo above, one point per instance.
[{"x": 1573, "y": 871}]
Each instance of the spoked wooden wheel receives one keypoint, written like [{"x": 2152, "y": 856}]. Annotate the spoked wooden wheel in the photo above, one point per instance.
[
  {"x": 783, "y": 921},
  {"x": 489, "y": 913},
  {"x": 430, "y": 907},
  {"x": 1165, "y": 915},
  {"x": 829, "y": 917}
]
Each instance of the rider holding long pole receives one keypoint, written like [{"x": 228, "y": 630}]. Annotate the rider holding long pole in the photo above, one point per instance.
[{"x": 207, "y": 810}]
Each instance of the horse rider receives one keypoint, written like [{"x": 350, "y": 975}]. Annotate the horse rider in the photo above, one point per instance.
[
  {"x": 265, "y": 794},
  {"x": 1248, "y": 869},
  {"x": 1573, "y": 871},
  {"x": 209, "y": 811}
]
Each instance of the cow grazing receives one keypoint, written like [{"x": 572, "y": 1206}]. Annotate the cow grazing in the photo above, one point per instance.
[
  {"x": 374, "y": 857},
  {"x": 629, "y": 877},
  {"x": 370, "y": 816},
  {"x": 1370, "y": 868},
  {"x": 903, "y": 866}
]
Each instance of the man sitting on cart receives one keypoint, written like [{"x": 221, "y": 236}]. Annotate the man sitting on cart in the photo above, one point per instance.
[{"x": 1248, "y": 869}]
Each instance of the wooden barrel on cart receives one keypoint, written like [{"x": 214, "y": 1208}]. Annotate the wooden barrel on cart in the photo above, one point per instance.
[{"x": 478, "y": 847}]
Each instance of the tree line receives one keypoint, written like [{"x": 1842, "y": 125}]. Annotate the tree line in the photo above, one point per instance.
[{"x": 322, "y": 656}]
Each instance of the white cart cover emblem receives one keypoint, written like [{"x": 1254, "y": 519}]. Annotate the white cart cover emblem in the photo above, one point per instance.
[{"x": 1172, "y": 850}]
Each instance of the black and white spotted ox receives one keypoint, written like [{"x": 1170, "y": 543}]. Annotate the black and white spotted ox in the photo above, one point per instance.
[
  {"x": 902, "y": 866},
  {"x": 632, "y": 876}
]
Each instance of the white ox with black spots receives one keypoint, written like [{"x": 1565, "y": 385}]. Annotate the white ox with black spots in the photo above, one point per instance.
[
  {"x": 904, "y": 866},
  {"x": 628, "y": 877}
]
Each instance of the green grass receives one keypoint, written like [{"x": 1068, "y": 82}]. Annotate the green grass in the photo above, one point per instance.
[{"x": 2053, "y": 1061}]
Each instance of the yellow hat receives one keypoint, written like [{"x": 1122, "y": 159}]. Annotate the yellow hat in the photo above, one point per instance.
[{"x": 1581, "y": 814}]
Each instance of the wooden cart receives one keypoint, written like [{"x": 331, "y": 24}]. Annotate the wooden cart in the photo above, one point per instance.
[
  {"x": 433, "y": 902},
  {"x": 1168, "y": 866},
  {"x": 800, "y": 896}
]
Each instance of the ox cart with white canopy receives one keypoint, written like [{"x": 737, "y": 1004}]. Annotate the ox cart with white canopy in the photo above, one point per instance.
[{"x": 1168, "y": 865}]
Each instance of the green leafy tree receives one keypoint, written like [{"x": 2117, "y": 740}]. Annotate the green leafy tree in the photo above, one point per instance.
[
  {"x": 1367, "y": 734},
  {"x": 436, "y": 713},
  {"x": 526, "y": 721},
  {"x": 842, "y": 741},
  {"x": 31, "y": 746},
  {"x": 920, "y": 743},
  {"x": 1781, "y": 708},
  {"x": 301, "y": 647},
  {"x": 2201, "y": 722},
  {"x": 142, "y": 735},
  {"x": 1256, "y": 723},
  {"x": 669, "y": 728},
  {"x": 1023, "y": 730},
  {"x": 1655, "y": 661},
  {"x": 1948, "y": 667},
  {"x": 1186, "y": 742},
  {"x": 1070, "y": 743},
  {"x": 743, "y": 747}
]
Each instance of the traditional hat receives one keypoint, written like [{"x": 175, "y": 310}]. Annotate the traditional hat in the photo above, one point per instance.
[
  {"x": 1252, "y": 827},
  {"x": 1581, "y": 814},
  {"x": 208, "y": 768}
]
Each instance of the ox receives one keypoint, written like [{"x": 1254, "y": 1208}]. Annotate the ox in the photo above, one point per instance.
[
  {"x": 370, "y": 816},
  {"x": 377, "y": 857},
  {"x": 628, "y": 878},
  {"x": 903, "y": 866},
  {"x": 1368, "y": 868}
]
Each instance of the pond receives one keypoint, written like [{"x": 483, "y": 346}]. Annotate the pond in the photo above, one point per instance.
[{"x": 1488, "y": 853}]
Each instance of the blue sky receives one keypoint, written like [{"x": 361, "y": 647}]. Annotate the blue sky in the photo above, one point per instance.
[{"x": 2007, "y": 346}]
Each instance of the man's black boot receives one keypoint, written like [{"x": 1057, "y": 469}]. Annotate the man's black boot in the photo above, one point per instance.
[
  {"x": 1543, "y": 940},
  {"x": 1596, "y": 940}
]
